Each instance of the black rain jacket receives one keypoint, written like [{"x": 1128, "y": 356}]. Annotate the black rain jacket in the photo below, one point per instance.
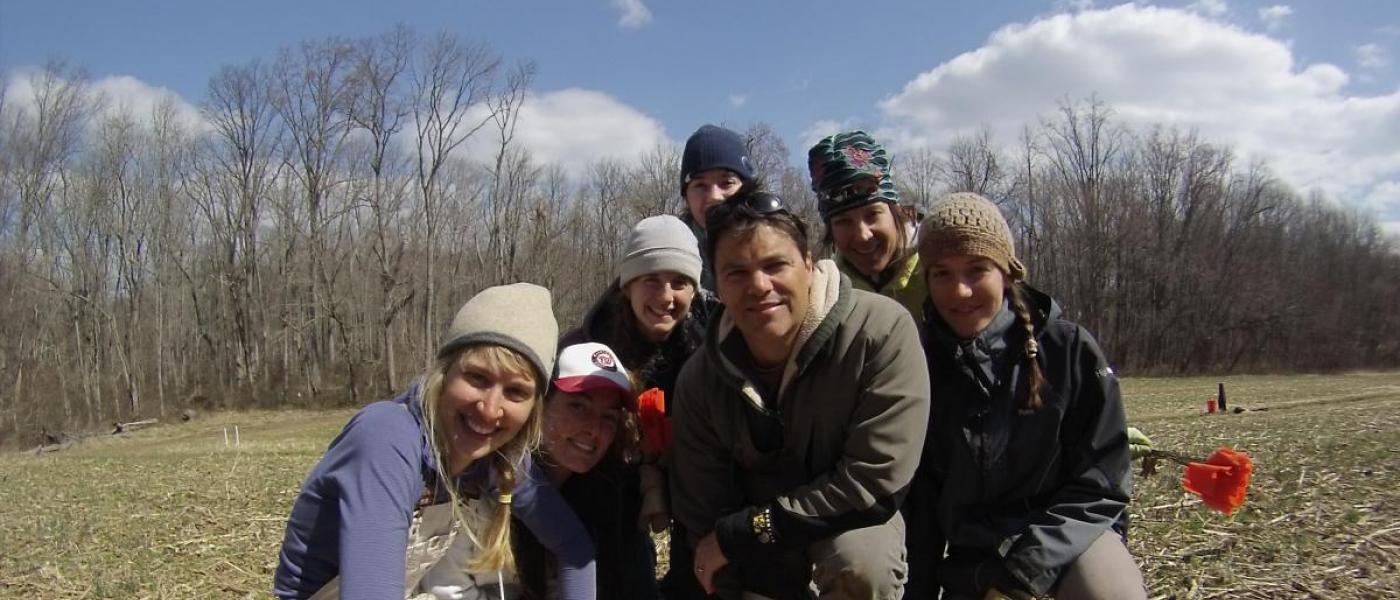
[{"x": 1028, "y": 491}]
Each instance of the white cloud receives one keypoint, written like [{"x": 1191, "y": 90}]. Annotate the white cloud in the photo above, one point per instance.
[
  {"x": 575, "y": 127},
  {"x": 1214, "y": 8},
  {"x": 1155, "y": 65},
  {"x": 1274, "y": 16},
  {"x": 738, "y": 100},
  {"x": 113, "y": 95},
  {"x": 1384, "y": 201},
  {"x": 1073, "y": 5},
  {"x": 635, "y": 13},
  {"x": 823, "y": 128},
  {"x": 129, "y": 95},
  {"x": 1371, "y": 56}
]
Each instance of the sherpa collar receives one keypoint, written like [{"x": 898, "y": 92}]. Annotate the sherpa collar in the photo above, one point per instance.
[{"x": 829, "y": 294}]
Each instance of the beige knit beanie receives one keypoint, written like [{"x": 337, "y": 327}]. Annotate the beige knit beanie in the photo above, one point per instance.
[
  {"x": 518, "y": 316},
  {"x": 964, "y": 223}
]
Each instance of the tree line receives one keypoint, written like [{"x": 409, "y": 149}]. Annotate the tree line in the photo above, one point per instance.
[{"x": 304, "y": 243}]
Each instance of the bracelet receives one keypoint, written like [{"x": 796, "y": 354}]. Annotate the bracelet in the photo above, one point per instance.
[{"x": 762, "y": 524}]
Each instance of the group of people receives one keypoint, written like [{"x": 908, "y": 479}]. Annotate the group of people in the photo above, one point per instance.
[{"x": 908, "y": 419}]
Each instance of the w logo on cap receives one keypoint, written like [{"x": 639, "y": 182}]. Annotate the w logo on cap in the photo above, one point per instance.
[
  {"x": 590, "y": 366},
  {"x": 604, "y": 360}
]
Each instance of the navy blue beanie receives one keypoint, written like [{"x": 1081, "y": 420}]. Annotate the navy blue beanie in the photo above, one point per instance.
[{"x": 712, "y": 147}]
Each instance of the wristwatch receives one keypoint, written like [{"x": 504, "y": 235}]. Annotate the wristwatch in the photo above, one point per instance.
[{"x": 762, "y": 524}]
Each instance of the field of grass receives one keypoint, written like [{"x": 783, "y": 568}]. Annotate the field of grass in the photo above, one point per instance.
[{"x": 170, "y": 512}]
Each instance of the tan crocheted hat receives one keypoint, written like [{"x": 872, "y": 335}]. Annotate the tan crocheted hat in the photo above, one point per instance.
[{"x": 964, "y": 223}]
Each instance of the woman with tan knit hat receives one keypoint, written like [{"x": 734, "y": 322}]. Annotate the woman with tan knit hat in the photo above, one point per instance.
[
  {"x": 1025, "y": 474},
  {"x": 406, "y": 476}
]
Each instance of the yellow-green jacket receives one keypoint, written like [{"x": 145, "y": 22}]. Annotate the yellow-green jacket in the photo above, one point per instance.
[{"x": 906, "y": 286}]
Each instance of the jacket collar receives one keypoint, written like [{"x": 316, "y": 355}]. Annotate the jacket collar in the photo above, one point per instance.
[
  {"x": 895, "y": 277},
  {"x": 983, "y": 358}
]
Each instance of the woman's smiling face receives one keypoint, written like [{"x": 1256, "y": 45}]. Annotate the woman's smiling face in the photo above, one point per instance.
[
  {"x": 482, "y": 405},
  {"x": 659, "y": 301},
  {"x": 967, "y": 291},
  {"x": 579, "y": 428}
]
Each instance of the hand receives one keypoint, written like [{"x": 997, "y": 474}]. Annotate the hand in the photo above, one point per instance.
[
  {"x": 709, "y": 559},
  {"x": 653, "y": 523},
  {"x": 654, "y": 514},
  {"x": 445, "y": 592}
]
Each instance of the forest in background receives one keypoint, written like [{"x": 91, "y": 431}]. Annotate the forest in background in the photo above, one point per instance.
[{"x": 308, "y": 242}]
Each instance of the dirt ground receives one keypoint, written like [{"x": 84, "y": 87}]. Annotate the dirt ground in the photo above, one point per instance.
[{"x": 171, "y": 512}]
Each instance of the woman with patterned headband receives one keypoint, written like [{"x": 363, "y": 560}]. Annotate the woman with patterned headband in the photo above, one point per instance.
[{"x": 871, "y": 232}]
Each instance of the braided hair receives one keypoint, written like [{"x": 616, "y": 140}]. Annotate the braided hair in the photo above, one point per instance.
[{"x": 1016, "y": 294}]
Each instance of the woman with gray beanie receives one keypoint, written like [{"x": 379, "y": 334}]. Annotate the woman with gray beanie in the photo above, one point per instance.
[
  {"x": 382, "y": 505},
  {"x": 653, "y": 317},
  {"x": 647, "y": 314}
]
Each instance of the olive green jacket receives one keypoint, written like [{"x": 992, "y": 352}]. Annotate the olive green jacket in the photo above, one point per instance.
[{"x": 833, "y": 451}]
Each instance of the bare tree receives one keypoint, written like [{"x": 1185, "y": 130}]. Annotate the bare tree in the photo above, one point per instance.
[
  {"x": 312, "y": 97},
  {"x": 974, "y": 165},
  {"x": 512, "y": 173},
  {"x": 657, "y": 186},
  {"x": 450, "y": 78},
  {"x": 380, "y": 108},
  {"x": 229, "y": 183},
  {"x": 767, "y": 152},
  {"x": 919, "y": 174}
]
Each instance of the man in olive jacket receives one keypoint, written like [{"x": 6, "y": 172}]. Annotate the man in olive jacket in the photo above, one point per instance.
[{"x": 799, "y": 424}]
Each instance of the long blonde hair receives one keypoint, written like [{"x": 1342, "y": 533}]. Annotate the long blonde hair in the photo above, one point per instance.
[{"x": 493, "y": 546}]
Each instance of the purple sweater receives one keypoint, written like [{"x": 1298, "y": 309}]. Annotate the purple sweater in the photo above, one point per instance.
[{"x": 353, "y": 513}]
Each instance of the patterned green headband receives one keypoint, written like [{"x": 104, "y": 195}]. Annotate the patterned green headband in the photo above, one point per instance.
[{"x": 850, "y": 170}]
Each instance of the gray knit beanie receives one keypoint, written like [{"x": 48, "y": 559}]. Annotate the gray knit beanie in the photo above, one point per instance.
[
  {"x": 968, "y": 224},
  {"x": 661, "y": 243},
  {"x": 518, "y": 316}
]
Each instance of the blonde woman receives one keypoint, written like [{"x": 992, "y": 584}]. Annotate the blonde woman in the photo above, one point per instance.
[{"x": 383, "y": 504}]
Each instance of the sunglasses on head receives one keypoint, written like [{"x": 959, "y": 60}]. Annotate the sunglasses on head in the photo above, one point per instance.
[
  {"x": 763, "y": 203},
  {"x": 860, "y": 189}
]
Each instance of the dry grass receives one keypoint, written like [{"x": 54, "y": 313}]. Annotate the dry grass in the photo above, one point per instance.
[
  {"x": 166, "y": 512},
  {"x": 1323, "y": 515},
  {"x": 169, "y": 512}
]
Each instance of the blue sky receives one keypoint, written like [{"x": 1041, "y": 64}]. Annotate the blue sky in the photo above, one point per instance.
[{"x": 1312, "y": 86}]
